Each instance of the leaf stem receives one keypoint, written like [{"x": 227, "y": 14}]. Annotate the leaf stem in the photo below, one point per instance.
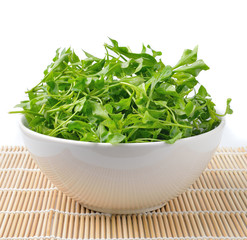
[{"x": 63, "y": 123}]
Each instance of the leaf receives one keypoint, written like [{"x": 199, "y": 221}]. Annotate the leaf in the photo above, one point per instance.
[
  {"x": 80, "y": 84},
  {"x": 52, "y": 87},
  {"x": 102, "y": 133},
  {"x": 74, "y": 58},
  {"x": 79, "y": 106},
  {"x": 97, "y": 84},
  {"x": 155, "y": 53},
  {"x": 98, "y": 110},
  {"x": 148, "y": 59},
  {"x": 108, "y": 107},
  {"x": 185, "y": 79},
  {"x": 110, "y": 124},
  {"x": 117, "y": 116},
  {"x": 174, "y": 132},
  {"x": 188, "y": 57},
  {"x": 136, "y": 81},
  {"x": 179, "y": 112},
  {"x": 228, "y": 108},
  {"x": 37, "y": 120},
  {"x": 165, "y": 73},
  {"x": 167, "y": 89},
  {"x": 161, "y": 103},
  {"x": 97, "y": 67},
  {"x": 76, "y": 125},
  {"x": 189, "y": 108},
  {"x": 157, "y": 113},
  {"x": 59, "y": 63},
  {"x": 91, "y": 57},
  {"x": 194, "y": 69},
  {"x": 175, "y": 138},
  {"x": 148, "y": 118},
  {"x": 140, "y": 62},
  {"x": 123, "y": 104},
  {"x": 144, "y": 49},
  {"x": 115, "y": 138},
  {"x": 202, "y": 92},
  {"x": 23, "y": 104},
  {"x": 161, "y": 75}
]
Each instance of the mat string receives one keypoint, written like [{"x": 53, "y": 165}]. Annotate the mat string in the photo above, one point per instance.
[
  {"x": 138, "y": 214},
  {"x": 216, "y": 190},
  {"x": 206, "y": 170},
  {"x": 20, "y": 169},
  {"x": 188, "y": 190},
  {"x": 17, "y": 150},
  {"x": 230, "y": 153},
  {"x": 29, "y": 189},
  {"x": 155, "y": 238}
]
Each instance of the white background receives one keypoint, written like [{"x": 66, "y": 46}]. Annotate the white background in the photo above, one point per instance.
[{"x": 31, "y": 31}]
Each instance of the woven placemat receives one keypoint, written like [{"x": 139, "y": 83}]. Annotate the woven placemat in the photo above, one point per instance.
[{"x": 215, "y": 207}]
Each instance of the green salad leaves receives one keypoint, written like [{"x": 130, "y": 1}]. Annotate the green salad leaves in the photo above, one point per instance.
[{"x": 123, "y": 98}]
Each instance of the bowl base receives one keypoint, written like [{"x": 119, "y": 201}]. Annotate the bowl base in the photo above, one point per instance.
[{"x": 123, "y": 211}]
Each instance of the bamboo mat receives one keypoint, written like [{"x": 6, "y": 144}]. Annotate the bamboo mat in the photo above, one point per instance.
[{"x": 214, "y": 207}]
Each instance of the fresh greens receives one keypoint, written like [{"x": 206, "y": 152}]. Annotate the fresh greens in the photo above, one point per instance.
[{"x": 123, "y": 98}]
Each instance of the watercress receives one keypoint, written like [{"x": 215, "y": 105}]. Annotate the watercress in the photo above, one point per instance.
[{"x": 123, "y": 98}]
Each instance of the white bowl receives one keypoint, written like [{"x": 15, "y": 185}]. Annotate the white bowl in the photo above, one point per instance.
[{"x": 123, "y": 178}]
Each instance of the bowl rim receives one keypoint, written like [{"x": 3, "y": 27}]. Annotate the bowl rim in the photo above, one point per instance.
[{"x": 25, "y": 129}]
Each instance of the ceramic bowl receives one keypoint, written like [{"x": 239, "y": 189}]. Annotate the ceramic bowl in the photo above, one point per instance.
[{"x": 123, "y": 178}]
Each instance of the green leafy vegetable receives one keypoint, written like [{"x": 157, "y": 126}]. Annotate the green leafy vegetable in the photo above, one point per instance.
[{"x": 124, "y": 97}]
